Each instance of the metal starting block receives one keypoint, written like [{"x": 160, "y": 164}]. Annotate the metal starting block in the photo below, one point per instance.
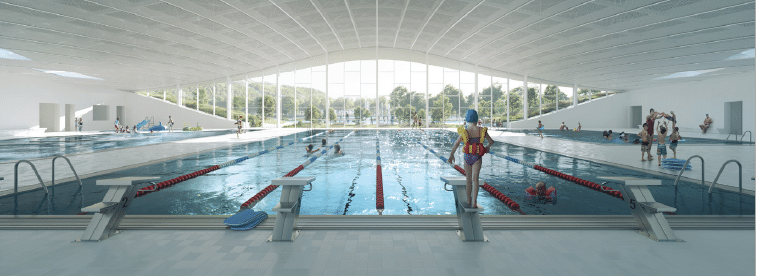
[
  {"x": 468, "y": 218},
  {"x": 288, "y": 208},
  {"x": 110, "y": 212},
  {"x": 647, "y": 212}
]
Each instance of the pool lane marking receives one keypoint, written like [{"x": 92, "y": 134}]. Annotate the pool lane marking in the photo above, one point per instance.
[
  {"x": 268, "y": 189},
  {"x": 579, "y": 181},
  {"x": 379, "y": 179},
  {"x": 182, "y": 178},
  {"x": 494, "y": 192}
]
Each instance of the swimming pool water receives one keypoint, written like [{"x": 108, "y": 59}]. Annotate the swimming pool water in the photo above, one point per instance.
[
  {"x": 31, "y": 148},
  {"x": 346, "y": 185},
  {"x": 597, "y": 138}
]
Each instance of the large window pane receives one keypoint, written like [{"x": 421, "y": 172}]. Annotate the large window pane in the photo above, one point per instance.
[
  {"x": 515, "y": 107},
  {"x": 418, "y": 85}
]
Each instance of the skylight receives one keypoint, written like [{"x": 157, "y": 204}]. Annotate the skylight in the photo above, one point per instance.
[
  {"x": 687, "y": 74},
  {"x": 743, "y": 55},
  {"x": 68, "y": 74},
  {"x": 11, "y": 55}
]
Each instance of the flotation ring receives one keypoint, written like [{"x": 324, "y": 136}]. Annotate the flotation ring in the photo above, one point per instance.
[
  {"x": 472, "y": 148},
  {"x": 550, "y": 194}
]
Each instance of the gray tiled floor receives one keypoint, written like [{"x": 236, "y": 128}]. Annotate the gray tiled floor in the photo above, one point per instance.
[{"x": 385, "y": 252}]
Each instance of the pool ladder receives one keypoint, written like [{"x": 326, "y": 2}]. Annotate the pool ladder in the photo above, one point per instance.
[
  {"x": 716, "y": 177},
  {"x": 736, "y": 136},
  {"x": 42, "y": 183}
]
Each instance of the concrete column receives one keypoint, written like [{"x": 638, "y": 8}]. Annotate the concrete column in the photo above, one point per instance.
[
  {"x": 525, "y": 97},
  {"x": 69, "y": 117},
  {"x": 229, "y": 98},
  {"x": 179, "y": 95},
  {"x": 49, "y": 116},
  {"x": 278, "y": 99},
  {"x": 575, "y": 94}
]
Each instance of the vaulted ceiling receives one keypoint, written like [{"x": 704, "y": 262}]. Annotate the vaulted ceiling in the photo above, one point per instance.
[{"x": 611, "y": 44}]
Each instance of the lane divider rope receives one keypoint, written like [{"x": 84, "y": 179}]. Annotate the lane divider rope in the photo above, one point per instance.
[
  {"x": 493, "y": 191},
  {"x": 379, "y": 179},
  {"x": 161, "y": 185},
  {"x": 579, "y": 181},
  {"x": 270, "y": 188}
]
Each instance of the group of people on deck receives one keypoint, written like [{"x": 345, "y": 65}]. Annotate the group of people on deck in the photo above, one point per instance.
[{"x": 647, "y": 135}]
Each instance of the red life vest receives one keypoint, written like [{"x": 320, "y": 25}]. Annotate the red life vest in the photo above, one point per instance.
[{"x": 549, "y": 194}]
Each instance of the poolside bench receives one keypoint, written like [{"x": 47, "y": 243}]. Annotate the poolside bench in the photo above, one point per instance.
[
  {"x": 468, "y": 218},
  {"x": 288, "y": 209},
  {"x": 110, "y": 212},
  {"x": 647, "y": 212}
]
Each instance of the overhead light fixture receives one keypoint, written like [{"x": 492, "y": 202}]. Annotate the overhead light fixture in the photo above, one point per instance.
[
  {"x": 748, "y": 54},
  {"x": 68, "y": 74},
  {"x": 11, "y": 55},
  {"x": 687, "y": 74}
]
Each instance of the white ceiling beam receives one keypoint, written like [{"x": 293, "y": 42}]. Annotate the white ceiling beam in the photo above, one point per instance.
[
  {"x": 484, "y": 27},
  {"x": 317, "y": 8},
  {"x": 454, "y": 24},
  {"x": 399, "y": 26},
  {"x": 426, "y": 23},
  {"x": 352, "y": 18},
  {"x": 298, "y": 24}
]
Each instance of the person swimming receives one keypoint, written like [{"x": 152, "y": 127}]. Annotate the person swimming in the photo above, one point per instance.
[
  {"x": 541, "y": 190},
  {"x": 338, "y": 150},
  {"x": 310, "y": 150}
]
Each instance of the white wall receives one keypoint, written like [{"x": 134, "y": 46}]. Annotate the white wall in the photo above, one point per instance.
[
  {"x": 608, "y": 112},
  {"x": 138, "y": 107},
  {"x": 692, "y": 100},
  {"x": 689, "y": 100},
  {"x": 21, "y": 95}
]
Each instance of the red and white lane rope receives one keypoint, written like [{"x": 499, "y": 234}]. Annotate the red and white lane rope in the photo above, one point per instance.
[
  {"x": 379, "y": 179},
  {"x": 263, "y": 193},
  {"x": 582, "y": 182},
  {"x": 493, "y": 191}
]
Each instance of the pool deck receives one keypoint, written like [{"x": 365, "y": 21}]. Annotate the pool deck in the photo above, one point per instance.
[
  {"x": 102, "y": 162},
  {"x": 378, "y": 252},
  {"x": 628, "y": 156}
]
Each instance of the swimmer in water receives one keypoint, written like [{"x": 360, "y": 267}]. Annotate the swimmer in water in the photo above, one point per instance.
[
  {"x": 310, "y": 149},
  {"x": 338, "y": 150},
  {"x": 472, "y": 135}
]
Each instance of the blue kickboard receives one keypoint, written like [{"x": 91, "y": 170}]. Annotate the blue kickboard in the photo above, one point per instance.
[
  {"x": 250, "y": 225},
  {"x": 244, "y": 218},
  {"x": 673, "y": 161}
]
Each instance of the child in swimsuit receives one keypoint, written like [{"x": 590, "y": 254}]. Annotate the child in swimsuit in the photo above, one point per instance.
[
  {"x": 644, "y": 141},
  {"x": 473, "y": 150},
  {"x": 662, "y": 130},
  {"x": 540, "y": 127},
  {"x": 674, "y": 137}
]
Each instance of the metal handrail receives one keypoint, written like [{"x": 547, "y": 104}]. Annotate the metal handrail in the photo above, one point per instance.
[
  {"x": 15, "y": 178},
  {"x": 684, "y": 168},
  {"x": 721, "y": 171},
  {"x": 69, "y": 164},
  {"x": 750, "y": 136}
]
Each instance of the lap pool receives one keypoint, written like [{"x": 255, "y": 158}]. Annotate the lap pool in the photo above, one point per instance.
[{"x": 346, "y": 185}]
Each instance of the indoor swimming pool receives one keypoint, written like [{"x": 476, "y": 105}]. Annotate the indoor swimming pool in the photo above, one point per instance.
[
  {"x": 596, "y": 137},
  {"x": 40, "y": 147},
  {"x": 346, "y": 185}
]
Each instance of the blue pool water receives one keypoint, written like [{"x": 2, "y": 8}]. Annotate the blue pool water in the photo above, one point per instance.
[
  {"x": 346, "y": 185},
  {"x": 596, "y": 137},
  {"x": 31, "y": 148}
]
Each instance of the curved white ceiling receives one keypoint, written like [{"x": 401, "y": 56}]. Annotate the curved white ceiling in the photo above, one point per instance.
[{"x": 609, "y": 44}]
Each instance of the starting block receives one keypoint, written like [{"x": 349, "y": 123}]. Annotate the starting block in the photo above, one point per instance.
[{"x": 467, "y": 217}]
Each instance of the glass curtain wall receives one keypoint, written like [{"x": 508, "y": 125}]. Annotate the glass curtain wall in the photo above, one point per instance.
[
  {"x": 336, "y": 95},
  {"x": 318, "y": 82},
  {"x": 418, "y": 90},
  {"x": 437, "y": 101},
  {"x": 352, "y": 93},
  {"x": 386, "y": 91},
  {"x": 368, "y": 93},
  {"x": 565, "y": 97},
  {"x": 303, "y": 99},
  {"x": 286, "y": 83},
  {"x": 534, "y": 99},
  {"x": 401, "y": 100},
  {"x": 485, "y": 104},
  {"x": 189, "y": 96},
  {"x": 452, "y": 92},
  {"x": 467, "y": 87},
  {"x": 515, "y": 97},
  {"x": 269, "y": 100}
]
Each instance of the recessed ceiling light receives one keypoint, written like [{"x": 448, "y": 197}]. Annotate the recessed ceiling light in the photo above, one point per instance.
[
  {"x": 68, "y": 74},
  {"x": 687, "y": 74},
  {"x": 743, "y": 55},
  {"x": 11, "y": 55}
]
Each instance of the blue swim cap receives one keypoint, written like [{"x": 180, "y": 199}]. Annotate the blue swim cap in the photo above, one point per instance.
[{"x": 471, "y": 116}]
